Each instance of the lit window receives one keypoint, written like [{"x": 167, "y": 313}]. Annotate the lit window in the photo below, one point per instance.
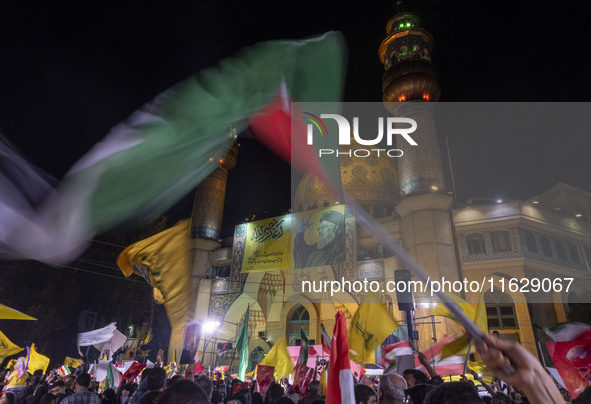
[
  {"x": 500, "y": 311},
  {"x": 297, "y": 317}
]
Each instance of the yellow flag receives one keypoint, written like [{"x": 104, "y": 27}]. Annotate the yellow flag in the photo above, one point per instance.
[
  {"x": 370, "y": 326},
  {"x": 279, "y": 358},
  {"x": 6, "y": 313},
  {"x": 475, "y": 313},
  {"x": 72, "y": 362},
  {"x": 37, "y": 361},
  {"x": 7, "y": 347},
  {"x": 163, "y": 261},
  {"x": 478, "y": 367}
]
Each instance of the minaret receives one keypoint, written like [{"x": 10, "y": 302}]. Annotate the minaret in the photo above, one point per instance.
[
  {"x": 410, "y": 87},
  {"x": 411, "y": 83},
  {"x": 206, "y": 226}
]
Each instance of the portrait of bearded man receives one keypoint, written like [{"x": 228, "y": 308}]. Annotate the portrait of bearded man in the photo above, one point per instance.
[{"x": 328, "y": 250}]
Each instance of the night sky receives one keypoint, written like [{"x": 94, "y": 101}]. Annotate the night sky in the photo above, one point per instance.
[{"x": 69, "y": 71}]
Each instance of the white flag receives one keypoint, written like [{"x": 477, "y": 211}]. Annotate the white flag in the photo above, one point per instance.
[{"x": 96, "y": 336}]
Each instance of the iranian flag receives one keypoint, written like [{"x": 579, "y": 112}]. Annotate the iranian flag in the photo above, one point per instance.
[
  {"x": 339, "y": 385},
  {"x": 113, "y": 377}
]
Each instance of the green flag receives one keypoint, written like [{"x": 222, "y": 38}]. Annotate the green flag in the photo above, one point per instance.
[
  {"x": 303, "y": 356},
  {"x": 242, "y": 347}
]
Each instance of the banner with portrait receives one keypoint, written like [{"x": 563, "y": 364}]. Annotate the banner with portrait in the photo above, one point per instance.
[{"x": 319, "y": 237}]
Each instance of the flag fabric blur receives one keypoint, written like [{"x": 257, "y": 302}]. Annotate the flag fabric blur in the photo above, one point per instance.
[
  {"x": 304, "y": 348},
  {"x": 279, "y": 358},
  {"x": 390, "y": 352},
  {"x": 567, "y": 331},
  {"x": 7, "y": 347},
  {"x": 571, "y": 359},
  {"x": 476, "y": 313},
  {"x": 6, "y": 313},
  {"x": 163, "y": 150},
  {"x": 370, "y": 326},
  {"x": 96, "y": 336},
  {"x": 37, "y": 361},
  {"x": 163, "y": 261},
  {"x": 339, "y": 387},
  {"x": 452, "y": 365},
  {"x": 242, "y": 346}
]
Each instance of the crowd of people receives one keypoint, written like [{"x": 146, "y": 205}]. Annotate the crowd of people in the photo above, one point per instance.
[{"x": 525, "y": 381}]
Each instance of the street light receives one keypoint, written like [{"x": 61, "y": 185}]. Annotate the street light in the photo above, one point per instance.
[{"x": 210, "y": 326}]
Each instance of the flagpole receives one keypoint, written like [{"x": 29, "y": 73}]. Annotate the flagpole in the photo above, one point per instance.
[
  {"x": 467, "y": 357},
  {"x": 366, "y": 220}
]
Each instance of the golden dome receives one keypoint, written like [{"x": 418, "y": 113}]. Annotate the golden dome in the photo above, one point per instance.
[{"x": 372, "y": 181}]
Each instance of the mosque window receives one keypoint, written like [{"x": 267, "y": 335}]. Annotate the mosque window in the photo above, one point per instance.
[
  {"x": 530, "y": 241},
  {"x": 298, "y": 316},
  {"x": 475, "y": 243},
  {"x": 574, "y": 252},
  {"x": 220, "y": 272},
  {"x": 500, "y": 240},
  {"x": 500, "y": 311},
  {"x": 560, "y": 250},
  {"x": 546, "y": 247},
  {"x": 256, "y": 356}
]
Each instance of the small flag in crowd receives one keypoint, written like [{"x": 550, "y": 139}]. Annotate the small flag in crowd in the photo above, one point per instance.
[
  {"x": 72, "y": 363},
  {"x": 64, "y": 370},
  {"x": 339, "y": 388},
  {"x": 452, "y": 365},
  {"x": 113, "y": 377}
]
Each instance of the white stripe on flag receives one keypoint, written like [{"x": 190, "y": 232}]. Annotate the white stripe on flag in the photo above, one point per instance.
[{"x": 346, "y": 384}]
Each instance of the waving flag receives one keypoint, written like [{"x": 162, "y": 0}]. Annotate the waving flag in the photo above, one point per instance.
[
  {"x": 242, "y": 346},
  {"x": 37, "y": 361},
  {"x": 452, "y": 365},
  {"x": 162, "y": 151},
  {"x": 390, "y": 352},
  {"x": 163, "y": 261},
  {"x": 96, "y": 336},
  {"x": 339, "y": 387},
  {"x": 370, "y": 326},
  {"x": 304, "y": 348},
  {"x": 279, "y": 358},
  {"x": 7, "y": 347}
]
